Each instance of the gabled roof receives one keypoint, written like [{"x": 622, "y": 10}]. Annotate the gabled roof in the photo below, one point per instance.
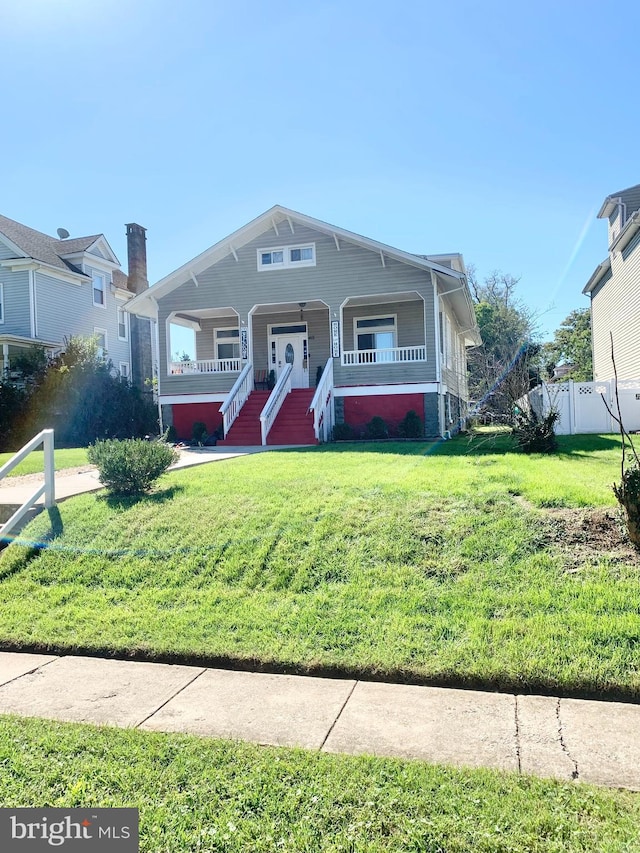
[
  {"x": 630, "y": 197},
  {"x": 145, "y": 303},
  {"x": 52, "y": 251}
]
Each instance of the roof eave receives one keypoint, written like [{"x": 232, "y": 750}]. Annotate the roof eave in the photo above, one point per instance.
[
  {"x": 596, "y": 276},
  {"x": 625, "y": 236}
]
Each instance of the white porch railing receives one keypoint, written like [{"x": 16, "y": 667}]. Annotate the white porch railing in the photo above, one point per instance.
[
  {"x": 47, "y": 489},
  {"x": 275, "y": 401},
  {"x": 236, "y": 398},
  {"x": 211, "y": 365},
  {"x": 322, "y": 404},
  {"x": 391, "y": 355}
]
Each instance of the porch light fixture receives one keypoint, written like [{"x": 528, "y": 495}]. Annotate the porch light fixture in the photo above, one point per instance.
[{"x": 302, "y": 305}]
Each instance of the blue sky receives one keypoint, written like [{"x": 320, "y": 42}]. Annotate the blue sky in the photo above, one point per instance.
[{"x": 490, "y": 128}]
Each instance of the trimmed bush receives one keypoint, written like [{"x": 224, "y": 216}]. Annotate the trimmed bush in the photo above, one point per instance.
[
  {"x": 342, "y": 432},
  {"x": 171, "y": 435},
  {"x": 411, "y": 425},
  {"x": 376, "y": 428},
  {"x": 199, "y": 432},
  {"x": 130, "y": 466}
]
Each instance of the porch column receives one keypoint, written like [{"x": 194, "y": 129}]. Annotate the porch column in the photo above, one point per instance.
[{"x": 5, "y": 359}]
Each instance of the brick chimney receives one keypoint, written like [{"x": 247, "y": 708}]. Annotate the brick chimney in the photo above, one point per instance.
[
  {"x": 137, "y": 258},
  {"x": 137, "y": 282}
]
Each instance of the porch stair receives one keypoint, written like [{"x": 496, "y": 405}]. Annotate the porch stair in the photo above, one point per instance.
[
  {"x": 292, "y": 426},
  {"x": 245, "y": 430}
]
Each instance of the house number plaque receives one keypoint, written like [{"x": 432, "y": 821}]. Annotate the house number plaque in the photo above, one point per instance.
[
  {"x": 335, "y": 339},
  {"x": 244, "y": 345}
]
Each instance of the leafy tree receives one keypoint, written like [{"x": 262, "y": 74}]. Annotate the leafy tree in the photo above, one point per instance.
[
  {"x": 571, "y": 345},
  {"x": 80, "y": 395},
  {"x": 503, "y": 368}
]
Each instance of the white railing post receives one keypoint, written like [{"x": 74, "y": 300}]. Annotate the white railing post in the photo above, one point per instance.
[
  {"x": 388, "y": 355},
  {"x": 47, "y": 488},
  {"x": 277, "y": 397},
  {"x": 49, "y": 469},
  {"x": 322, "y": 404}
]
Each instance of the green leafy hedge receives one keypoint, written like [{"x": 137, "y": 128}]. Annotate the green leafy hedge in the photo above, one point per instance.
[{"x": 130, "y": 466}]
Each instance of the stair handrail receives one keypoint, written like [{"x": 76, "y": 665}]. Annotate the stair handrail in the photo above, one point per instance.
[
  {"x": 277, "y": 397},
  {"x": 322, "y": 404},
  {"x": 48, "y": 488},
  {"x": 237, "y": 397}
]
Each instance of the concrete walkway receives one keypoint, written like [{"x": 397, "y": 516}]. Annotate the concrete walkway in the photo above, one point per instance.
[
  {"x": 16, "y": 490},
  {"x": 568, "y": 739}
]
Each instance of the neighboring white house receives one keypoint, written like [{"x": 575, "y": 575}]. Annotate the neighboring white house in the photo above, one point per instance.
[
  {"x": 614, "y": 289},
  {"x": 54, "y": 287},
  {"x": 291, "y": 294}
]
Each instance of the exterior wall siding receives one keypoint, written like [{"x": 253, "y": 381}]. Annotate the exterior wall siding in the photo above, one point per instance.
[
  {"x": 6, "y": 251},
  {"x": 350, "y": 272},
  {"x": 616, "y": 308},
  {"x": 64, "y": 309},
  {"x": 17, "y": 311}
]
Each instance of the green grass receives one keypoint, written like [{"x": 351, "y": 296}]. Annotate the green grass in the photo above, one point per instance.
[
  {"x": 204, "y": 795},
  {"x": 71, "y": 457},
  {"x": 404, "y": 561}
]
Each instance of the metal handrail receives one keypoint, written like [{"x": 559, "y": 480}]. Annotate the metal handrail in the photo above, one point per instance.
[
  {"x": 275, "y": 401},
  {"x": 236, "y": 398},
  {"x": 48, "y": 489},
  {"x": 321, "y": 404}
]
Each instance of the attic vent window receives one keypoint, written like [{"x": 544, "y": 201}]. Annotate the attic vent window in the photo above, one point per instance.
[{"x": 287, "y": 257}]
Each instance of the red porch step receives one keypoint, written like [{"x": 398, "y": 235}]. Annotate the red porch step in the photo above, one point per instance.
[
  {"x": 245, "y": 430},
  {"x": 292, "y": 426}
]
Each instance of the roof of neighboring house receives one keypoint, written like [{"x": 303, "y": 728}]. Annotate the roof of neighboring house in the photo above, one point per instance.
[
  {"x": 42, "y": 247},
  {"x": 630, "y": 197},
  {"x": 120, "y": 279},
  {"x": 145, "y": 303}
]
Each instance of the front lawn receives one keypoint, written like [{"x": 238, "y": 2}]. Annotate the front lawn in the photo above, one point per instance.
[
  {"x": 402, "y": 561},
  {"x": 205, "y": 795}
]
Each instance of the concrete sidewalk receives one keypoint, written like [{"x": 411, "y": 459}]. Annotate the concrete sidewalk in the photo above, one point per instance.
[
  {"x": 16, "y": 490},
  {"x": 568, "y": 739}
]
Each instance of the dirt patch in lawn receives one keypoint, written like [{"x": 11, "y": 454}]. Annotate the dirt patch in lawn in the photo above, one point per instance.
[{"x": 588, "y": 535}]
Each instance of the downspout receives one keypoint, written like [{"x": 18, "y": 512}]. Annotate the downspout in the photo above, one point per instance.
[
  {"x": 32, "y": 303},
  {"x": 436, "y": 317}
]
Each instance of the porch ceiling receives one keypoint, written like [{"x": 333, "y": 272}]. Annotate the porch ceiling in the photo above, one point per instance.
[
  {"x": 204, "y": 314},
  {"x": 289, "y": 307},
  {"x": 382, "y": 299}
]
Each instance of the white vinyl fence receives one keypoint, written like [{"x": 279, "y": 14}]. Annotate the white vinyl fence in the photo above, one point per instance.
[{"x": 581, "y": 405}]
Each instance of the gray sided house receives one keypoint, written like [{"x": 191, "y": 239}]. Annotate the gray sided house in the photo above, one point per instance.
[
  {"x": 614, "y": 289},
  {"x": 54, "y": 287},
  {"x": 349, "y": 328}
]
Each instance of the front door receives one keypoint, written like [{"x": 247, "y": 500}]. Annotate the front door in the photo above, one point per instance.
[{"x": 291, "y": 349}]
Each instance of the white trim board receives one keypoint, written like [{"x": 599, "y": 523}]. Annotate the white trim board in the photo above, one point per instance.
[
  {"x": 177, "y": 399},
  {"x": 378, "y": 390}
]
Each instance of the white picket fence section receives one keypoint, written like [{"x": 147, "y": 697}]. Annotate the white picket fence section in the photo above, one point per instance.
[{"x": 581, "y": 405}]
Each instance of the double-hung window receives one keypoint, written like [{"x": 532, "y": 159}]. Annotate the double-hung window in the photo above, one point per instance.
[
  {"x": 101, "y": 339},
  {"x": 227, "y": 343},
  {"x": 375, "y": 338},
  {"x": 99, "y": 288},
  {"x": 122, "y": 325}
]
